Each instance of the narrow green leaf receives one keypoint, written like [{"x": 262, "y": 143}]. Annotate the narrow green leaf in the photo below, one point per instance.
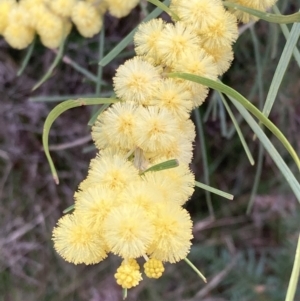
[
  {"x": 291, "y": 292},
  {"x": 57, "y": 111},
  {"x": 286, "y": 172},
  {"x": 162, "y": 166},
  {"x": 123, "y": 44},
  {"x": 214, "y": 190},
  {"x": 27, "y": 57},
  {"x": 195, "y": 269},
  {"x": 281, "y": 68},
  {"x": 200, "y": 131},
  {"x": 100, "y": 56},
  {"x": 56, "y": 98},
  {"x": 238, "y": 130},
  {"x": 165, "y": 8},
  {"x": 70, "y": 208},
  {"x": 247, "y": 104},
  {"x": 53, "y": 65},
  {"x": 273, "y": 18}
]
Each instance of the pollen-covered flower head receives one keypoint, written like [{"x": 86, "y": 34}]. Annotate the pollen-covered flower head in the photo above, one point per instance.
[
  {"x": 121, "y": 8},
  {"x": 94, "y": 203},
  {"x": 223, "y": 32},
  {"x": 175, "y": 41},
  {"x": 18, "y": 36},
  {"x": 115, "y": 126},
  {"x": 175, "y": 184},
  {"x": 19, "y": 14},
  {"x": 87, "y": 19},
  {"x": 62, "y": 8},
  {"x": 128, "y": 231},
  {"x": 141, "y": 193},
  {"x": 156, "y": 128},
  {"x": 128, "y": 274},
  {"x": 5, "y": 7},
  {"x": 50, "y": 27},
  {"x": 172, "y": 95},
  {"x": 197, "y": 13},
  {"x": 222, "y": 56},
  {"x": 115, "y": 172},
  {"x": 77, "y": 242},
  {"x": 146, "y": 37},
  {"x": 261, "y": 5},
  {"x": 173, "y": 233},
  {"x": 198, "y": 63},
  {"x": 136, "y": 80},
  {"x": 36, "y": 9}
]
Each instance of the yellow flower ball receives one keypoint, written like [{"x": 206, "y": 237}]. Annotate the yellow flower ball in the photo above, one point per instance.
[
  {"x": 87, "y": 19},
  {"x": 128, "y": 274},
  {"x": 121, "y": 8},
  {"x": 62, "y": 8},
  {"x": 5, "y": 7},
  {"x": 18, "y": 36},
  {"x": 77, "y": 242},
  {"x": 154, "y": 268},
  {"x": 136, "y": 80},
  {"x": 128, "y": 231},
  {"x": 115, "y": 172},
  {"x": 173, "y": 233}
]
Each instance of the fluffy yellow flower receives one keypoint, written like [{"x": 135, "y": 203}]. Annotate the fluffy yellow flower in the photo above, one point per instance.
[
  {"x": 187, "y": 129},
  {"x": 18, "y": 36},
  {"x": 94, "y": 203},
  {"x": 136, "y": 80},
  {"x": 19, "y": 14},
  {"x": 222, "y": 56},
  {"x": 115, "y": 126},
  {"x": 121, "y": 8},
  {"x": 175, "y": 41},
  {"x": 36, "y": 10},
  {"x": 128, "y": 274},
  {"x": 197, "y": 13},
  {"x": 77, "y": 242},
  {"x": 172, "y": 95},
  {"x": 221, "y": 33},
  {"x": 261, "y": 5},
  {"x": 141, "y": 193},
  {"x": 199, "y": 63},
  {"x": 154, "y": 268},
  {"x": 173, "y": 233},
  {"x": 128, "y": 231},
  {"x": 156, "y": 128},
  {"x": 5, "y": 7},
  {"x": 176, "y": 185},
  {"x": 62, "y": 8},
  {"x": 180, "y": 149},
  {"x": 87, "y": 19},
  {"x": 146, "y": 37},
  {"x": 115, "y": 172},
  {"x": 51, "y": 29}
]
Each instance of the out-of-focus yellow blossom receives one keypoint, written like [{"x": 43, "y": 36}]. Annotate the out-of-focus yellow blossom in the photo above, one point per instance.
[
  {"x": 5, "y": 7},
  {"x": 128, "y": 275},
  {"x": 62, "y": 8},
  {"x": 18, "y": 36},
  {"x": 261, "y": 5},
  {"x": 87, "y": 19},
  {"x": 153, "y": 268},
  {"x": 121, "y": 8}
]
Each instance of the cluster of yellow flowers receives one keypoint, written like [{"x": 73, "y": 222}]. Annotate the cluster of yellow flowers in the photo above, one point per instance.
[
  {"x": 121, "y": 207},
  {"x": 52, "y": 19}
]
